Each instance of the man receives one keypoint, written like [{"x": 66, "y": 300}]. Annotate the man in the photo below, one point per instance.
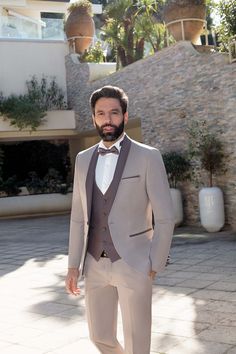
[{"x": 118, "y": 184}]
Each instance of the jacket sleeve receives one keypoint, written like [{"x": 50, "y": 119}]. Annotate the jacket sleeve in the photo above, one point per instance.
[
  {"x": 76, "y": 239},
  {"x": 159, "y": 194}
]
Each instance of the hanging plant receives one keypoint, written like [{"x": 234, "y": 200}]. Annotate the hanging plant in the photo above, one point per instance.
[
  {"x": 22, "y": 111},
  {"x": 28, "y": 110}
]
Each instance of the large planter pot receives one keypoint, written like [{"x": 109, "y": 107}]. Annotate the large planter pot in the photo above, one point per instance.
[
  {"x": 177, "y": 205},
  {"x": 211, "y": 204},
  {"x": 193, "y": 17},
  {"x": 79, "y": 30},
  {"x": 39, "y": 204}
]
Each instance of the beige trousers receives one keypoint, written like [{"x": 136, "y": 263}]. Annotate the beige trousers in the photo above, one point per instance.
[{"x": 106, "y": 284}]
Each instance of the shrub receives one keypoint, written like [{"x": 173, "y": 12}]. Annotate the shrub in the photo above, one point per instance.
[
  {"x": 10, "y": 186},
  {"x": 207, "y": 150},
  {"x": 177, "y": 167},
  {"x": 29, "y": 109}
]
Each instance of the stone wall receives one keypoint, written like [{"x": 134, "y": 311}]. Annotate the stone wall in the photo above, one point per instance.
[{"x": 167, "y": 91}]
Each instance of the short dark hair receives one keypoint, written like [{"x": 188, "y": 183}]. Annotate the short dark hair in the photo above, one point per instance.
[{"x": 110, "y": 92}]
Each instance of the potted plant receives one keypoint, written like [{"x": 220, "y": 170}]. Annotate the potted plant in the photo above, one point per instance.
[
  {"x": 185, "y": 18},
  {"x": 178, "y": 170},
  {"x": 94, "y": 58},
  {"x": 207, "y": 152},
  {"x": 79, "y": 26}
]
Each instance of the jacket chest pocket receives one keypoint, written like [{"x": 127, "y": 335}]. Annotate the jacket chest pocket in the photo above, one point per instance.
[{"x": 131, "y": 179}]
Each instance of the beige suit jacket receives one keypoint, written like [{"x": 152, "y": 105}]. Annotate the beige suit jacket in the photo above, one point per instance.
[{"x": 143, "y": 188}]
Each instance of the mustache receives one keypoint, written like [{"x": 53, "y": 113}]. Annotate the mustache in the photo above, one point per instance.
[{"x": 108, "y": 125}]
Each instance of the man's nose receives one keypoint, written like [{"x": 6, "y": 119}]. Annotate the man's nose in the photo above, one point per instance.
[{"x": 107, "y": 118}]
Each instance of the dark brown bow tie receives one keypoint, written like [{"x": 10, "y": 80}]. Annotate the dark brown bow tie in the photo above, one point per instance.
[{"x": 113, "y": 150}]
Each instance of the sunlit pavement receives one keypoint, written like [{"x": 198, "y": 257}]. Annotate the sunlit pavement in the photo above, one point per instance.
[{"x": 194, "y": 300}]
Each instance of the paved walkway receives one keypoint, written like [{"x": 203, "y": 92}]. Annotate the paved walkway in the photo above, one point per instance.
[{"x": 194, "y": 300}]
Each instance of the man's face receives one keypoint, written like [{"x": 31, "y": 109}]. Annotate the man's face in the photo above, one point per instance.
[{"x": 109, "y": 119}]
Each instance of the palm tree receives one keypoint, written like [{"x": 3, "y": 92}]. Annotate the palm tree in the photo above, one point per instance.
[{"x": 129, "y": 25}]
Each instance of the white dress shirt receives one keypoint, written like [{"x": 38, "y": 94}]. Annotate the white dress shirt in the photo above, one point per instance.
[{"x": 106, "y": 166}]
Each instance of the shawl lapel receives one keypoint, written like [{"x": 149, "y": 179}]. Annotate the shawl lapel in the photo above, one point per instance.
[
  {"x": 90, "y": 179},
  {"x": 124, "y": 152}
]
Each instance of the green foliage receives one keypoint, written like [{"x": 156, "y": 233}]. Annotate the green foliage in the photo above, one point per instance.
[
  {"x": 129, "y": 25},
  {"x": 47, "y": 95},
  {"x": 29, "y": 109},
  {"x": 177, "y": 167},
  {"x": 186, "y": 2},
  {"x": 22, "y": 111},
  {"x": 38, "y": 156},
  {"x": 34, "y": 184},
  {"x": 206, "y": 149},
  {"x": 51, "y": 183},
  {"x": 227, "y": 27},
  {"x": 10, "y": 186},
  {"x": 93, "y": 54},
  {"x": 84, "y": 6}
]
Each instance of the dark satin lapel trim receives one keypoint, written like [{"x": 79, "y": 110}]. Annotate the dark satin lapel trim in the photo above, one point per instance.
[
  {"x": 89, "y": 181},
  {"x": 124, "y": 152}
]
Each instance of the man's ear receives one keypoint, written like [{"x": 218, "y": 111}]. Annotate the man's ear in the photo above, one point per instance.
[
  {"x": 93, "y": 117},
  {"x": 126, "y": 117}
]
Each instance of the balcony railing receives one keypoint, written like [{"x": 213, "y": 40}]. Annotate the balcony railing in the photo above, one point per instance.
[{"x": 27, "y": 28}]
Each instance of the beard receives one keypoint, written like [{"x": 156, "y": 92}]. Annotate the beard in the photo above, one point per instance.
[{"x": 110, "y": 136}]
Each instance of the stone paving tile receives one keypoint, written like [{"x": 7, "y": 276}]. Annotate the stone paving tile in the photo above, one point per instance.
[
  {"x": 32, "y": 279},
  {"x": 195, "y": 346},
  {"x": 20, "y": 334},
  {"x": 229, "y": 296},
  {"x": 214, "y": 317},
  {"x": 167, "y": 281},
  {"x": 222, "y": 285},
  {"x": 231, "y": 278},
  {"x": 221, "y": 306},
  {"x": 187, "y": 261},
  {"x": 178, "y": 328},
  {"x": 174, "y": 266},
  {"x": 231, "y": 351},
  {"x": 195, "y": 283},
  {"x": 209, "y": 276},
  {"x": 4, "y": 345},
  {"x": 201, "y": 269},
  {"x": 224, "y": 270},
  {"x": 180, "y": 274},
  {"x": 161, "y": 343},
  {"x": 219, "y": 334},
  {"x": 20, "y": 349},
  {"x": 83, "y": 346},
  {"x": 209, "y": 294}
]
